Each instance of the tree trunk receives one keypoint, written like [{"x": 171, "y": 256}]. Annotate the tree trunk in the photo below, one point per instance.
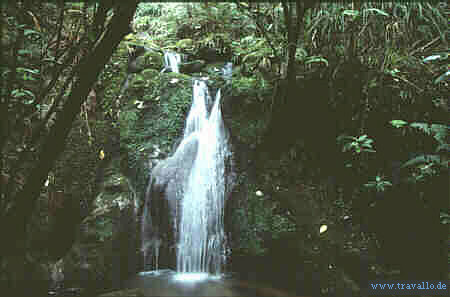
[{"x": 276, "y": 140}]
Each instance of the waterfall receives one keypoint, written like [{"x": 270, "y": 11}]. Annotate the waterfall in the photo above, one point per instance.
[
  {"x": 197, "y": 116},
  {"x": 201, "y": 246},
  {"x": 172, "y": 61},
  {"x": 185, "y": 199},
  {"x": 227, "y": 72}
]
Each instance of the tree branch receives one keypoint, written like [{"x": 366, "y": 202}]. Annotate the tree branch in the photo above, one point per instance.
[{"x": 60, "y": 26}]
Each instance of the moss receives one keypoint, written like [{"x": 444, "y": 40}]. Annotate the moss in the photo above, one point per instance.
[
  {"x": 185, "y": 44},
  {"x": 245, "y": 85},
  {"x": 167, "y": 99},
  {"x": 151, "y": 59},
  {"x": 149, "y": 74}
]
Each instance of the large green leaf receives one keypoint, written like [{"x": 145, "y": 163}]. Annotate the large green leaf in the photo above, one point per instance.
[
  {"x": 439, "y": 132},
  {"x": 378, "y": 11},
  {"x": 422, "y": 159},
  {"x": 30, "y": 31},
  {"x": 442, "y": 77},
  {"x": 444, "y": 147},
  {"x": 316, "y": 59},
  {"x": 350, "y": 12},
  {"x": 398, "y": 123},
  {"x": 438, "y": 56}
]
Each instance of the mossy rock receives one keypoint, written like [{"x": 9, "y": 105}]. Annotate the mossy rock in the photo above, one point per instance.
[
  {"x": 155, "y": 59},
  {"x": 186, "y": 44},
  {"x": 139, "y": 40},
  {"x": 150, "y": 73},
  {"x": 183, "y": 77},
  {"x": 192, "y": 67},
  {"x": 151, "y": 60},
  {"x": 122, "y": 50},
  {"x": 138, "y": 82}
]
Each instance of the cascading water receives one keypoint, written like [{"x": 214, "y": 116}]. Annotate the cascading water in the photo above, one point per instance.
[
  {"x": 172, "y": 62},
  {"x": 198, "y": 115},
  {"x": 228, "y": 72},
  {"x": 201, "y": 245}
]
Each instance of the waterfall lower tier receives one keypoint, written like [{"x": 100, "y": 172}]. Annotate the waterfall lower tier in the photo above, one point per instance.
[{"x": 201, "y": 245}]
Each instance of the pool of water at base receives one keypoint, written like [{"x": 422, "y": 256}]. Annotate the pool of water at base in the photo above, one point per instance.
[{"x": 172, "y": 283}]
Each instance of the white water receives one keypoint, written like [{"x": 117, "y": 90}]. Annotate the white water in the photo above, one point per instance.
[
  {"x": 201, "y": 245},
  {"x": 172, "y": 61},
  {"x": 227, "y": 72},
  {"x": 151, "y": 245},
  {"x": 197, "y": 198},
  {"x": 198, "y": 115}
]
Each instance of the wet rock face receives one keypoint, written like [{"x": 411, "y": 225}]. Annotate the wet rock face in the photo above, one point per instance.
[{"x": 163, "y": 196}]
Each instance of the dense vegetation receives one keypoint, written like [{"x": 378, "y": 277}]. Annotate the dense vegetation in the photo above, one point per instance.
[{"x": 338, "y": 115}]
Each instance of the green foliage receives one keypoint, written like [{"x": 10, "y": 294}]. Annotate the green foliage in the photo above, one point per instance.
[
  {"x": 253, "y": 49},
  {"x": 158, "y": 19},
  {"x": 441, "y": 64},
  {"x": 442, "y": 77},
  {"x": 160, "y": 123},
  {"x": 258, "y": 222},
  {"x": 376, "y": 25},
  {"x": 438, "y": 131},
  {"x": 104, "y": 228},
  {"x": 189, "y": 27},
  {"x": 245, "y": 86},
  {"x": 18, "y": 93},
  {"x": 127, "y": 120},
  {"x": 356, "y": 145},
  {"x": 445, "y": 218},
  {"x": 379, "y": 184},
  {"x": 316, "y": 59},
  {"x": 149, "y": 9},
  {"x": 427, "y": 165},
  {"x": 398, "y": 123},
  {"x": 186, "y": 44}
]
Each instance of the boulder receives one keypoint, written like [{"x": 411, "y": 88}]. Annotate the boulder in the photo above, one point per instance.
[
  {"x": 163, "y": 196},
  {"x": 150, "y": 59}
]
